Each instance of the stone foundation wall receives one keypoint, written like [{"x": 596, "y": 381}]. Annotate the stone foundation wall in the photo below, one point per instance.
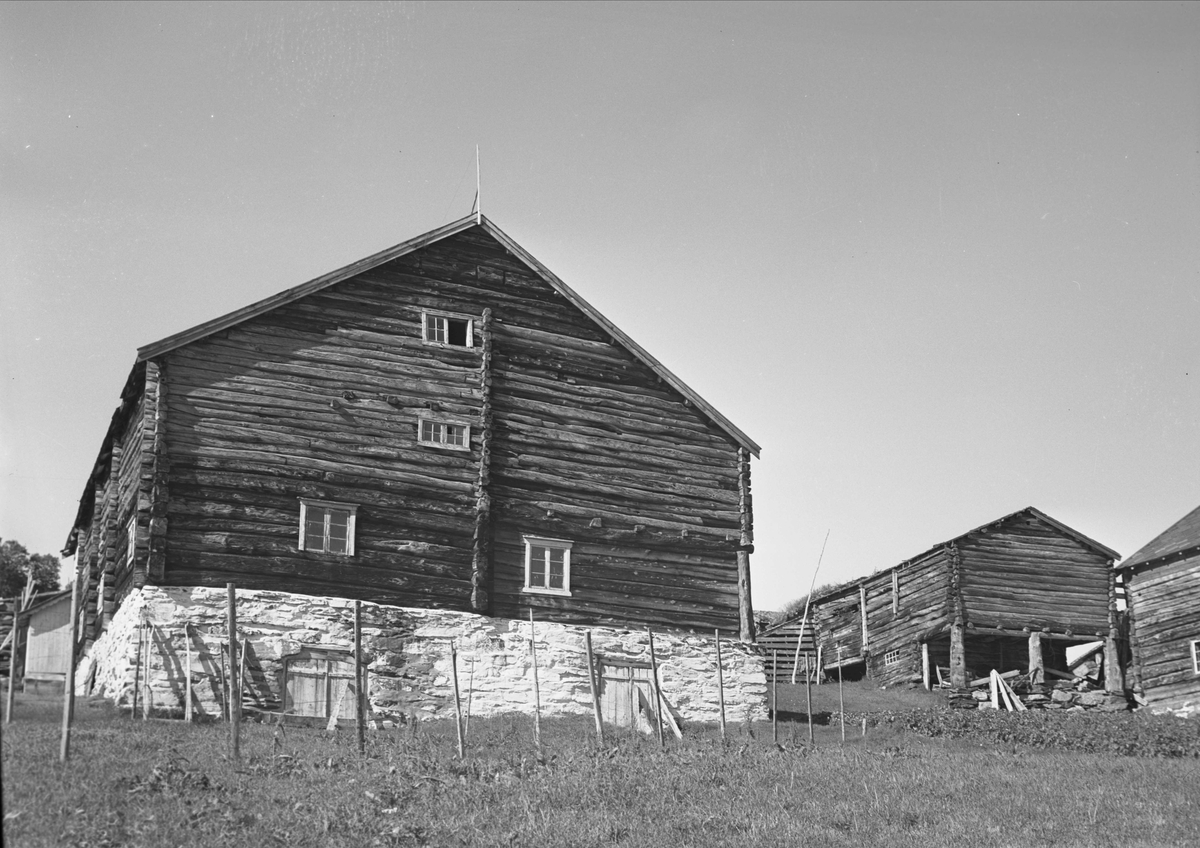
[{"x": 407, "y": 652}]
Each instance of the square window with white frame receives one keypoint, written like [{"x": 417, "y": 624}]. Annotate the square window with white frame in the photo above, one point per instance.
[
  {"x": 547, "y": 566},
  {"x": 891, "y": 658},
  {"x": 327, "y": 527},
  {"x": 446, "y": 328},
  {"x": 444, "y": 434}
]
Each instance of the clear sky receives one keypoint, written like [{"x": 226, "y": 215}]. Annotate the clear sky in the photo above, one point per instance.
[{"x": 941, "y": 261}]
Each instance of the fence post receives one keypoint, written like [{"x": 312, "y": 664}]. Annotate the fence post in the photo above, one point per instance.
[
  {"x": 720, "y": 685},
  {"x": 587, "y": 639},
  {"x": 235, "y": 689}
]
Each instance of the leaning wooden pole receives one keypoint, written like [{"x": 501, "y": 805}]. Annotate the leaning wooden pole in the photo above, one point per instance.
[
  {"x": 64, "y": 749},
  {"x": 12, "y": 662},
  {"x": 658, "y": 698},
  {"x": 587, "y": 641},
  {"x": 187, "y": 683},
  {"x": 458, "y": 716},
  {"x": 235, "y": 692},
  {"x": 537, "y": 695},
  {"x": 807, "y": 601},
  {"x": 841, "y": 702},
  {"x": 720, "y": 685},
  {"x": 359, "y": 722}
]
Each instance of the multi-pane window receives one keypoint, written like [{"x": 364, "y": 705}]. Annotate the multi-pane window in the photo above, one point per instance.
[
  {"x": 547, "y": 566},
  {"x": 891, "y": 658},
  {"x": 443, "y": 328},
  {"x": 327, "y": 527},
  {"x": 445, "y": 434}
]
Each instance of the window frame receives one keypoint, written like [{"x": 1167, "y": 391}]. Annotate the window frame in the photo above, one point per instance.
[
  {"x": 427, "y": 328},
  {"x": 892, "y": 658},
  {"x": 565, "y": 546},
  {"x": 444, "y": 423},
  {"x": 131, "y": 540},
  {"x": 1196, "y": 656},
  {"x": 351, "y": 526}
]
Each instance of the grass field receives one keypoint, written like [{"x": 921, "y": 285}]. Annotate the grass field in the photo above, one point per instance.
[{"x": 161, "y": 783}]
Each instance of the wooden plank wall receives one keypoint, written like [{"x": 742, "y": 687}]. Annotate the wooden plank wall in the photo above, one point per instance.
[
  {"x": 781, "y": 641},
  {"x": 1025, "y": 573},
  {"x": 1164, "y": 624},
  {"x": 899, "y": 620},
  {"x": 588, "y": 445}
]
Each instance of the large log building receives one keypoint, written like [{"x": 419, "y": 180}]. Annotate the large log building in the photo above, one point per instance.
[
  {"x": 444, "y": 424},
  {"x": 1010, "y": 594},
  {"x": 1162, "y": 584}
]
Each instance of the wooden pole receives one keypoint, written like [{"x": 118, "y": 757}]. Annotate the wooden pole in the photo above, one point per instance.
[
  {"x": 358, "y": 681},
  {"x": 12, "y": 662},
  {"x": 470, "y": 694},
  {"x": 187, "y": 707},
  {"x": 224, "y": 684},
  {"x": 807, "y": 601},
  {"x": 235, "y": 694},
  {"x": 926, "y": 676},
  {"x": 774, "y": 701},
  {"x": 658, "y": 699},
  {"x": 64, "y": 749},
  {"x": 537, "y": 695},
  {"x": 808, "y": 695},
  {"x": 587, "y": 641},
  {"x": 841, "y": 702},
  {"x": 720, "y": 685},
  {"x": 1037, "y": 667},
  {"x": 458, "y": 716},
  {"x": 137, "y": 669},
  {"x": 147, "y": 687}
]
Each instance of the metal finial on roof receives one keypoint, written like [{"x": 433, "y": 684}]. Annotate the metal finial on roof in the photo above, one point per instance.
[{"x": 478, "y": 208}]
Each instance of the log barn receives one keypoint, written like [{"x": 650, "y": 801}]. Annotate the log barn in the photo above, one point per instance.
[
  {"x": 442, "y": 425},
  {"x": 1162, "y": 584},
  {"x": 1013, "y": 593}
]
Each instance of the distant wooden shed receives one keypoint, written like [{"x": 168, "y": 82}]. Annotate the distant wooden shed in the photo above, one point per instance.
[
  {"x": 1012, "y": 593},
  {"x": 780, "y": 643},
  {"x": 47, "y": 626},
  {"x": 1162, "y": 584}
]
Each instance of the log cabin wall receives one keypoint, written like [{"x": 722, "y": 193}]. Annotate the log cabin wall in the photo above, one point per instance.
[
  {"x": 905, "y": 606},
  {"x": 1162, "y": 598},
  {"x": 590, "y": 447},
  {"x": 320, "y": 398},
  {"x": 1022, "y": 572}
]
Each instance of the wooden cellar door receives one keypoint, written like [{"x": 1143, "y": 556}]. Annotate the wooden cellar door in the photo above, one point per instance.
[{"x": 626, "y": 692}]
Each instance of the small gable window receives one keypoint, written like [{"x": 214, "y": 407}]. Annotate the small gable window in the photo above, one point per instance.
[
  {"x": 131, "y": 540},
  {"x": 547, "y": 566},
  {"x": 327, "y": 527},
  {"x": 444, "y": 434},
  {"x": 446, "y": 328}
]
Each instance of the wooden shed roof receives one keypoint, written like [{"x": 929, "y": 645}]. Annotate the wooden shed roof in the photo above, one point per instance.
[
  {"x": 224, "y": 322},
  {"x": 1027, "y": 511},
  {"x": 1182, "y": 536}
]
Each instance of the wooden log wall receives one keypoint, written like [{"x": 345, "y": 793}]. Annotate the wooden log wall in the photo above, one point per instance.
[
  {"x": 1024, "y": 573},
  {"x": 320, "y": 398},
  {"x": 481, "y": 552},
  {"x": 1162, "y": 601}
]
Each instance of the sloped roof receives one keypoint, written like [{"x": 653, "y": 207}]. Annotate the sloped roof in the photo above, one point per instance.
[
  {"x": 1183, "y": 535},
  {"x": 1029, "y": 510},
  {"x": 224, "y": 322}
]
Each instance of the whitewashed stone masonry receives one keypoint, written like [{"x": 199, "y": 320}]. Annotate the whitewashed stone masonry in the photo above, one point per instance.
[{"x": 408, "y": 656}]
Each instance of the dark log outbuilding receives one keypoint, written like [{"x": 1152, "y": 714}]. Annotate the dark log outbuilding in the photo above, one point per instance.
[
  {"x": 1162, "y": 584},
  {"x": 443, "y": 424},
  {"x": 1012, "y": 593}
]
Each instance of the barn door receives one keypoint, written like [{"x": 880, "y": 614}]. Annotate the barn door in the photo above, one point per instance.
[{"x": 626, "y": 693}]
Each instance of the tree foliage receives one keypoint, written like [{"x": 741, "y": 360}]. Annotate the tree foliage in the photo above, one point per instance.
[{"x": 15, "y": 565}]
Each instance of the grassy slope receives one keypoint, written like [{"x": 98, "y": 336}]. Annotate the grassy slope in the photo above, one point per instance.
[{"x": 164, "y": 783}]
